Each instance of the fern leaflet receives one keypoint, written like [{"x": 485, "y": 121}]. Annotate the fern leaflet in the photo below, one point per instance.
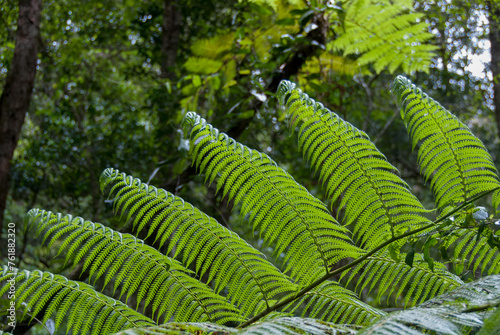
[
  {"x": 364, "y": 187},
  {"x": 388, "y": 276},
  {"x": 285, "y": 211},
  {"x": 443, "y": 314},
  {"x": 392, "y": 38},
  {"x": 38, "y": 291},
  {"x": 140, "y": 269},
  {"x": 230, "y": 262},
  {"x": 450, "y": 156}
]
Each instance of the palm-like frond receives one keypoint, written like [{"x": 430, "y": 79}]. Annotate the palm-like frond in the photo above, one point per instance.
[
  {"x": 281, "y": 325},
  {"x": 181, "y": 328},
  {"x": 140, "y": 269},
  {"x": 296, "y": 326},
  {"x": 331, "y": 62},
  {"x": 332, "y": 303},
  {"x": 364, "y": 187},
  {"x": 491, "y": 324},
  {"x": 467, "y": 249},
  {"x": 388, "y": 277},
  {"x": 450, "y": 156},
  {"x": 231, "y": 262},
  {"x": 384, "y": 34},
  {"x": 444, "y": 314},
  {"x": 87, "y": 311},
  {"x": 286, "y": 213},
  {"x": 213, "y": 48}
]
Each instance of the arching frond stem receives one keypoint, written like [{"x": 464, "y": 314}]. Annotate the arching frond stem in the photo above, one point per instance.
[{"x": 359, "y": 260}]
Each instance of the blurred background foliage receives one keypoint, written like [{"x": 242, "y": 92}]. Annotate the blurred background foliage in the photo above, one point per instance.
[{"x": 114, "y": 79}]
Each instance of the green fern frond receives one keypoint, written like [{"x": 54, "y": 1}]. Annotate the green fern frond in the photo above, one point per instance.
[
  {"x": 330, "y": 62},
  {"x": 491, "y": 324},
  {"x": 296, "y": 326},
  {"x": 279, "y": 5},
  {"x": 387, "y": 277},
  {"x": 228, "y": 260},
  {"x": 444, "y": 314},
  {"x": 139, "y": 269},
  {"x": 213, "y": 48},
  {"x": 332, "y": 303},
  {"x": 471, "y": 251},
  {"x": 86, "y": 311},
  {"x": 364, "y": 187},
  {"x": 450, "y": 156},
  {"x": 181, "y": 328},
  {"x": 386, "y": 35},
  {"x": 203, "y": 65},
  {"x": 286, "y": 213},
  {"x": 281, "y": 325}
]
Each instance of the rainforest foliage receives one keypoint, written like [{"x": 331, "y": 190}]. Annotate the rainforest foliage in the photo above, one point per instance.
[
  {"x": 210, "y": 280},
  {"x": 196, "y": 99}
]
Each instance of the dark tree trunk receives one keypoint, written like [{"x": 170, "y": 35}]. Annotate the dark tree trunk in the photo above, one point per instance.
[
  {"x": 494, "y": 18},
  {"x": 16, "y": 96},
  {"x": 170, "y": 38}
]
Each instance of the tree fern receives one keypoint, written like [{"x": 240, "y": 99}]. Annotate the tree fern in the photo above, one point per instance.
[
  {"x": 392, "y": 38},
  {"x": 365, "y": 189},
  {"x": 181, "y": 329},
  {"x": 368, "y": 197},
  {"x": 470, "y": 250},
  {"x": 286, "y": 213},
  {"x": 333, "y": 303},
  {"x": 492, "y": 324},
  {"x": 156, "y": 279},
  {"x": 454, "y": 160},
  {"x": 227, "y": 259},
  {"x": 443, "y": 314},
  {"x": 39, "y": 291},
  {"x": 283, "y": 325},
  {"x": 392, "y": 278}
]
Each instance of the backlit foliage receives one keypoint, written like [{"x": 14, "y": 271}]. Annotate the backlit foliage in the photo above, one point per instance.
[{"x": 191, "y": 275}]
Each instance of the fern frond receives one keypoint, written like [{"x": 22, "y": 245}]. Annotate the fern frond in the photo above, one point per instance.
[
  {"x": 279, "y": 5},
  {"x": 386, "y": 35},
  {"x": 387, "y": 277},
  {"x": 364, "y": 187},
  {"x": 140, "y": 269},
  {"x": 203, "y": 65},
  {"x": 281, "y": 325},
  {"x": 331, "y": 62},
  {"x": 228, "y": 260},
  {"x": 213, "y": 48},
  {"x": 296, "y": 326},
  {"x": 473, "y": 252},
  {"x": 450, "y": 156},
  {"x": 181, "y": 328},
  {"x": 332, "y": 303},
  {"x": 491, "y": 324},
  {"x": 444, "y": 314},
  {"x": 286, "y": 213},
  {"x": 86, "y": 311}
]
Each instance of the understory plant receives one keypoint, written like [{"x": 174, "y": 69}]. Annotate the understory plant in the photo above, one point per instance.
[{"x": 195, "y": 276}]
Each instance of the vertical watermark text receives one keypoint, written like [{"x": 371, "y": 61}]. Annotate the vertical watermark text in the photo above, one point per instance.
[{"x": 11, "y": 258}]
